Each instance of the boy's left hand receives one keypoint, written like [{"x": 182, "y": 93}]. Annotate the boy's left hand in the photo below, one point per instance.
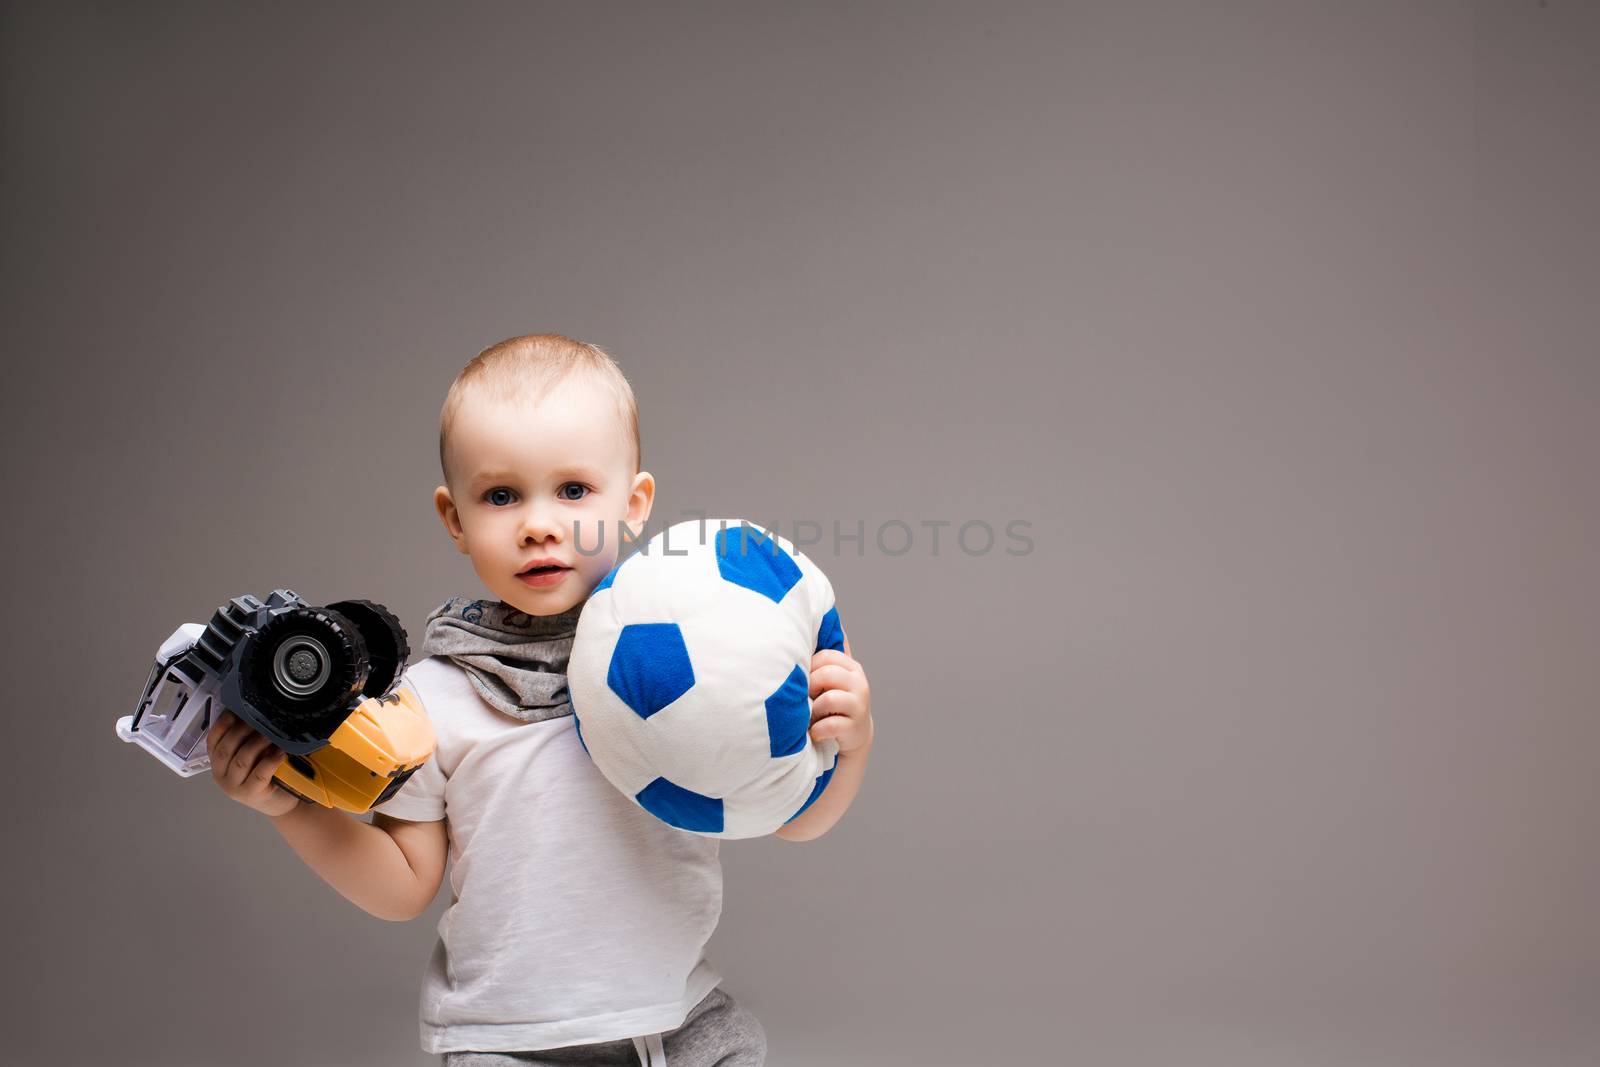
[{"x": 841, "y": 703}]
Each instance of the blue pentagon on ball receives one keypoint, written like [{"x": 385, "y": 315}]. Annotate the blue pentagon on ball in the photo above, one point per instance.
[
  {"x": 830, "y": 634},
  {"x": 789, "y": 714},
  {"x": 747, "y": 557},
  {"x": 683, "y": 808},
  {"x": 650, "y": 667}
]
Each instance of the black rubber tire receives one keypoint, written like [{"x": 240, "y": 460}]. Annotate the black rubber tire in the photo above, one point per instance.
[
  {"x": 387, "y": 649},
  {"x": 316, "y": 713}
]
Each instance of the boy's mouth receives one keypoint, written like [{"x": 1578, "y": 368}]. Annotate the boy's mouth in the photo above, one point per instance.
[{"x": 544, "y": 575}]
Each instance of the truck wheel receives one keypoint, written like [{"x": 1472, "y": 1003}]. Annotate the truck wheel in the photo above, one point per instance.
[
  {"x": 302, "y": 671},
  {"x": 387, "y": 649}
]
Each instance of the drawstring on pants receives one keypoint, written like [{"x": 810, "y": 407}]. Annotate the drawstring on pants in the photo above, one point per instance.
[{"x": 651, "y": 1052}]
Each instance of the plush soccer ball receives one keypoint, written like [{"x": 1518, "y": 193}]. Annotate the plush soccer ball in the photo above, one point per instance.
[{"x": 690, "y": 678}]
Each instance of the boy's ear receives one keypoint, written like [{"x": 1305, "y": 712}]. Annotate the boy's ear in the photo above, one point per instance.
[
  {"x": 641, "y": 498},
  {"x": 445, "y": 505}
]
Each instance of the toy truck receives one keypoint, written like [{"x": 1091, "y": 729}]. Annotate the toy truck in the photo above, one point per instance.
[{"x": 320, "y": 682}]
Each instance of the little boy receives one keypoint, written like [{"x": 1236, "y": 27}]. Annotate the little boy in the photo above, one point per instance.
[{"x": 578, "y": 923}]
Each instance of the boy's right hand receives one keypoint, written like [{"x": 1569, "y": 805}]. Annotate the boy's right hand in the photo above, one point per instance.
[{"x": 243, "y": 762}]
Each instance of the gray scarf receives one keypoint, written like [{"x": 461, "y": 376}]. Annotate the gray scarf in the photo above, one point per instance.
[{"x": 517, "y": 662}]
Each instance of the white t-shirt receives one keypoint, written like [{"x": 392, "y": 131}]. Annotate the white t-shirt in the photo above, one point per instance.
[{"x": 577, "y": 916}]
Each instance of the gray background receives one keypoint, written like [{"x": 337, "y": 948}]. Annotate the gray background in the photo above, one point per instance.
[{"x": 1275, "y": 320}]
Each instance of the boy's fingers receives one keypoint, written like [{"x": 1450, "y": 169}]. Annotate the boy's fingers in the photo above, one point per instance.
[
  {"x": 830, "y": 676},
  {"x": 216, "y": 730},
  {"x": 252, "y": 750},
  {"x": 267, "y": 765},
  {"x": 220, "y": 748},
  {"x": 232, "y": 741},
  {"x": 244, "y": 759},
  {"x": 832, "y": 726},
  {"x": 832, "y": 703}
]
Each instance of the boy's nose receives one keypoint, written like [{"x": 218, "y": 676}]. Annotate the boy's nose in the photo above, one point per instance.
[{"x": 540, "y": 525}]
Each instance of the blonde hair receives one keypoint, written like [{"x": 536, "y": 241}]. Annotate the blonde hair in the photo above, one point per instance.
[{"x": 528, "y": 367}]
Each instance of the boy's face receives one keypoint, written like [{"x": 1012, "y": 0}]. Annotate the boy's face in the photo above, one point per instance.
[{"x": 530, "y": 480}]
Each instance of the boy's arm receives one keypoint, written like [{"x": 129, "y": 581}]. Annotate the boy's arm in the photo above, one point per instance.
[
  {"x": 835, "y": 800},
  {"x": 388, "y": 868},
  {"x": 841, "y": 707}
]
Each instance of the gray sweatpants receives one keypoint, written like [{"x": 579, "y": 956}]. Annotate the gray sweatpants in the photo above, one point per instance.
[{"x": 718, "y": 1032}]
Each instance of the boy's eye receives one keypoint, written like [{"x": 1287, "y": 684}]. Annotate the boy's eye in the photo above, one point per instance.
[
  {"x": 492, "y": 495},
  {"x": 583, "y": 491}
]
